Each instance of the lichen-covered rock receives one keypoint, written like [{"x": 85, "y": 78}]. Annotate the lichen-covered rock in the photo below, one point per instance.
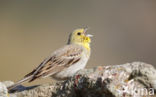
[
  {"x": 135, "y": 79},
  {"x": 40, "y": 91},
  {"x": 127, "y": 80},
  {"x": 3, "y": 90}
]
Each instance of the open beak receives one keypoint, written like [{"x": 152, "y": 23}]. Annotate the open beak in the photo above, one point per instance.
[
  {"x": 85, "y": 30},
  {"x": 88, "y": 35}
]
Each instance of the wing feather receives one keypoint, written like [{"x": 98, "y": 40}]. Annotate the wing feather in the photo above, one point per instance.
[{"x": 59, "y": 60}]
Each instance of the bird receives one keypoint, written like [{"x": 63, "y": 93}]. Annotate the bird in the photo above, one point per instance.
[{"x": 64, "y": 62}]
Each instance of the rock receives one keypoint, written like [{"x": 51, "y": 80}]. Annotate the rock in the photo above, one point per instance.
[
  {"x": 135, "y": 79},
  {"x": 3, "y": 90}
]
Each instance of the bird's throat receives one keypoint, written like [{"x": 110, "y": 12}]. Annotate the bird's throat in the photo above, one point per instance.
[{"x": 85, "y": 45}]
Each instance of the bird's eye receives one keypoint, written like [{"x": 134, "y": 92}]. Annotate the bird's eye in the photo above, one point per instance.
[{"x": 78, "y": 33}]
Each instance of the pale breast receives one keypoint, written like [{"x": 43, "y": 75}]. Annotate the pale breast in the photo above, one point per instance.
[{"x": 70, "y": 71}]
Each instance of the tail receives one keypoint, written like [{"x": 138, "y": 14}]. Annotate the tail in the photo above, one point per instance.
[{"x": 20, "y": 82}]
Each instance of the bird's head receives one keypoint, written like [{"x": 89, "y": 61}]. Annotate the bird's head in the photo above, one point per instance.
[{"x": 79, "y": 36}]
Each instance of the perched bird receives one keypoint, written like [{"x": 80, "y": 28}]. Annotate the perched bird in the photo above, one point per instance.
[{"x": 64, "y": 62}]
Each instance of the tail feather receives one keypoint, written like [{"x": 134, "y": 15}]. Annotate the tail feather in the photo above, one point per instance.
[{"x": 19, "y": 82}]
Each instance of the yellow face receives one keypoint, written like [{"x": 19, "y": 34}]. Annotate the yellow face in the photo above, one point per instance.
[{"x": 79, "y": 36}]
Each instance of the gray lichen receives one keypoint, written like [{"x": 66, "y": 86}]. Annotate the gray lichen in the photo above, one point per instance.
[
  {"x": 135, "y": 79},
  {"x": 3, "y": 90}
]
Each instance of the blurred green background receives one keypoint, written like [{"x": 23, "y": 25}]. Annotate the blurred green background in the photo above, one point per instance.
[{"x": 124, "y": 31}]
